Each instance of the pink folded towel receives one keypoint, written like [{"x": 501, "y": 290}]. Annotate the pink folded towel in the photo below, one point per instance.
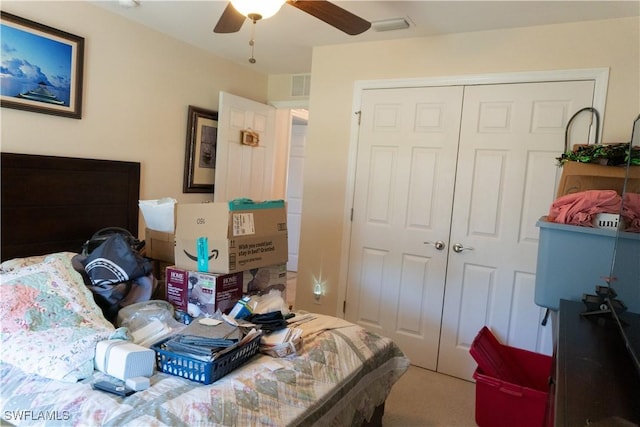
[
  {"x": 580, "y": 208},
  {"x": 631, "y": 212}
]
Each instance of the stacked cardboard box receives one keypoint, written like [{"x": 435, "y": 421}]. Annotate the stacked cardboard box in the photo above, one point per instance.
[
  {"x": 577, "y": 177},
  {"x": 224, "y": 249},
  {"x": 160, "y": 217},
  {"x": 264, "y": 279},
  {"x": 160, "y": 245},
  {"x": 207, "y": 292},
  {"x": 231, "y": 237}
]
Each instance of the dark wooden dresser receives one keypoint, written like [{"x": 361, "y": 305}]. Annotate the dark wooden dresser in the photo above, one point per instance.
[{"x": 596, "y": 382}]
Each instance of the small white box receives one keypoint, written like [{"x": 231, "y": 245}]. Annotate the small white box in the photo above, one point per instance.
[
  {"x": 606, "y": 220},
  {"x": 137, "y": 383},
  {"x": 124, "y": 359}
]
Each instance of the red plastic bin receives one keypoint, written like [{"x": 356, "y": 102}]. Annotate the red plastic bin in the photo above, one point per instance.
[{"x": 512, "y": 384}]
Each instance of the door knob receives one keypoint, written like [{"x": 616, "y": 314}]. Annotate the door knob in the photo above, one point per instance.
[
  {"x": 439, "y": 244},
  {"x": 457, "y": 247}
]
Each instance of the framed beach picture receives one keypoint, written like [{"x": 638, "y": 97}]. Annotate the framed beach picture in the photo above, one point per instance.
[
  {"x": 200, "y": 155},
  {"x": 41, "y": 68}
]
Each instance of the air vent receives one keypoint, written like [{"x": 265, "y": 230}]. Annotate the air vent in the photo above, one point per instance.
[
  {"x": 390, "y": 24},
  {"x": 300, "y": 84}
]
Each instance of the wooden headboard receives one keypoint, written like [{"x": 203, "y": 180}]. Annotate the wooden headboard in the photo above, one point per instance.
[{"x": 53, "y": 204}]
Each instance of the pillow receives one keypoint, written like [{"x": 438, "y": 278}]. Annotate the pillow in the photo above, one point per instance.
[
  {"x": 50, "y": 322},
  {"x": 16, "y": 263}
]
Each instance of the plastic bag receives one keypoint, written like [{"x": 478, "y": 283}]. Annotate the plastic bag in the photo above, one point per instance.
[
  {"x": 270, "y": 302},
  {"x": 259, "y": 304},
  {"x": 149, "y": 321},
  {"x": 159, "y": 214}
]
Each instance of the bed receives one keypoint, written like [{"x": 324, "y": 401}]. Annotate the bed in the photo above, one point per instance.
[{"x": 340, "y": 376}]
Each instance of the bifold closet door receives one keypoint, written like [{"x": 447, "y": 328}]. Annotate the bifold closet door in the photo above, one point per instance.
[
  {"x": 407, "y": 150},
  {"x": 506, "y": 174},
  {"x": 449, "y": 184}
]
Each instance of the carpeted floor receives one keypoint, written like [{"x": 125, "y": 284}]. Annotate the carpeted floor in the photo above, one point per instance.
[{"x": 423, "y": 398}]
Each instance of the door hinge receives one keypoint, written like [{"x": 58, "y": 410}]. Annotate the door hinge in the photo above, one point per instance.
[
  {"x": 359, "y": 114},
  {"x": 344, "y": 307},
  {"x": 351, "y": 217}
]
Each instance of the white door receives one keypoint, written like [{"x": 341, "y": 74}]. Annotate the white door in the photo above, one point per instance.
[
  {"x": 407, "y": 150},
  {"x": 502, "y": 146},
  {"x": 244, "y": 171},
  {"x": 509, "y": 138},
  {"x": 294, "y": 191}
]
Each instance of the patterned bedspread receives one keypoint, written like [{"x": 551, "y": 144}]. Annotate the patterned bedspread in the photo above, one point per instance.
[{"x": 337, "y": 379}]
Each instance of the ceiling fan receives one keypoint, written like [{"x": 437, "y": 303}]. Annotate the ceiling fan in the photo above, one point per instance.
[{"x": 237, "y": 11}]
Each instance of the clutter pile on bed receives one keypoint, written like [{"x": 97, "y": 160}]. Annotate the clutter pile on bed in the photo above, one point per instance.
[
  {"x": 51, "y": 325},
  {"x": 58, "y": 351}
]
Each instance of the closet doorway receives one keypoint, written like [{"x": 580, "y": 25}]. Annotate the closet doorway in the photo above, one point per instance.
[{"x": 449, "y": 182}]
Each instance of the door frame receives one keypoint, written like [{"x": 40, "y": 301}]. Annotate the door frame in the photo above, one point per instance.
[
  {"x": 286, "y": 111},
  {"x": 600, "y": 76}
]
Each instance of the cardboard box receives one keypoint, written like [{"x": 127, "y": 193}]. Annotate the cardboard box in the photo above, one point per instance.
[
  {"x": 262, "y": 280},
  {"x": 210, "y": 292},
  {"x": 231, "y": 237},
  {"x": 578, "y": 177},
  {"x": 160, "y": 245},
  {"x": 159, "y": 270}
]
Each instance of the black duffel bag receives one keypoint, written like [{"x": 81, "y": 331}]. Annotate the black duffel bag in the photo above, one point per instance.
[
  {"x": 101, "y": 236},
  {"x": 115, "y": 262},
  {"x": 116, "y": 274}
]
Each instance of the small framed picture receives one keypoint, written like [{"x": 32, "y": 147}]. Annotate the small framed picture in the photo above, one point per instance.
[
  {"x": 200, "y": 155},
  {"x": 42, "y": 68},
  {"x": 250, "y": 138}
]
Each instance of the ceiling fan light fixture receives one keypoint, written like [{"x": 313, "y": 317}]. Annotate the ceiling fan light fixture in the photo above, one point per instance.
[
  {"x": 390, "y": 24},
  {"x": 129, "y": 3},
  {"x": 257, "y": 9}
]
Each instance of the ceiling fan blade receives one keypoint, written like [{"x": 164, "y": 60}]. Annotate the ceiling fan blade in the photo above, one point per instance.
[
  {"x": 333, "y": 15},
  {"x": 230, "y": 21}
]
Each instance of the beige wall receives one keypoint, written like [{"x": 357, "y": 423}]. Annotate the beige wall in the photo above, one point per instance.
[
  {"x": 280, "y": 91},
  {"x": 612, "y": 43},
  {"x": 138, "y": 85}
]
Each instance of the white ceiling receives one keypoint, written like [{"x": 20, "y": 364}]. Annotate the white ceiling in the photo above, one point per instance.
[{"x": 283, "y": 43}]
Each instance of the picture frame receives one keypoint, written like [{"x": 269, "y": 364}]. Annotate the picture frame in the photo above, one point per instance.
[
  {"x": 250, "y": 138},
  {"x": 53, "y": 81},
  {"x": 200, "y": 154}
]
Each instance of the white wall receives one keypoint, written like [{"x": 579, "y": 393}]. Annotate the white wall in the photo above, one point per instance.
[
  {"x": 610, "y": 43},
  {"x": 138, "y": 85}
]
